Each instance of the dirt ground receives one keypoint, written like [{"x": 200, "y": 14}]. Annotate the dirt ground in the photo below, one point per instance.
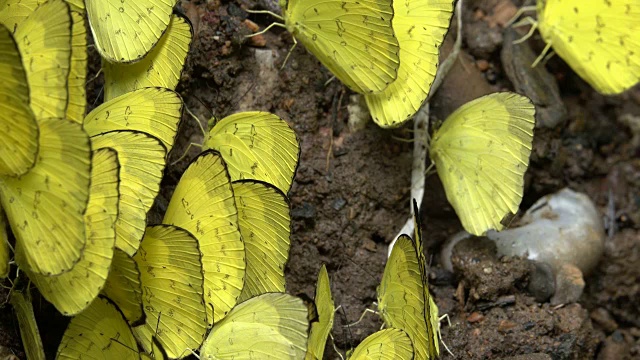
[{"x": 351, "y": 191}]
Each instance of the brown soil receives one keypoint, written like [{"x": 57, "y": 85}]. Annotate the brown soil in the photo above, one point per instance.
[{"x": 351, "y": 191}]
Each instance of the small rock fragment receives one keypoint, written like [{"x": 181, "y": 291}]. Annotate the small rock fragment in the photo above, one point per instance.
[
  {"x": 358, "y": 113},
  {"x": 475, "y": 317},
  {"x": 569, "y": 285},
  {"x": 542, "y": 282},
  {"x": 536, "y": 356},
  {"x": 603, "y": 318}
]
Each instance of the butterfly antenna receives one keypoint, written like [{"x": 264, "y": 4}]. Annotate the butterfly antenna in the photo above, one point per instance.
[
  {"x": 205, "y": 105},
  {"x": 526, "y": 21},
  {"x": 542, "y": 55},
  {"x": 94, "y": 77},
  {"x": 519, "y": 13},
  {"x": 295, "y": 43},
  {"x": 266, "y": 29},
  {"x": 266, "y": 12},
  {"x": 98, "y": 96}
]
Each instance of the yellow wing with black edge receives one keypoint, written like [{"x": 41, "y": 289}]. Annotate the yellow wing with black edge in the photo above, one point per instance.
[
  {"x": 387, "y": 344},
  {"x": 19, "y": 144},
  {"x": 46, "y": 206},
  {"x": 481, "y": 153},
  {"x": 28, "y": 327},
  {"x": 265, "y": 226},
  {"x": 99, "y": 332},
  {"x": 257, "y": 145},
  {"x": 420, "y": 26},
  {"x": 172, "y": 292},
  {"x": 44, "y": 41},
  {"x": 77, "y": 103},
  {"x": 203, "y": 204},
  {"x": 155, "y": 111},
  {"x": 162, "y": 67},
  {"x": 124, "y": 287},
  {"x": 125, "y": 31},
  {"x": 326, "y": 309},
  {"x": 72, "y": 291},
  {"x": 600, "y": 40},
  {"x": 142, "y": 162},
  {"x": 271, "y": 326},
  {"x": 354, "y": 39}
]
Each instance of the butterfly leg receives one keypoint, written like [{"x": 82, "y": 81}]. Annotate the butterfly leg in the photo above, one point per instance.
[
  {"x": 364, "y": 313},
  {"x": 335, "y": 348},
  {"x": 266, "y": 29},
  {"x": 542, "y": 55},
  {"x": 266, "y": 12},
  {"x": 519, "y": 13},
  {"x": 445, "y": 316},
  {"x": 186, "y": 152},
  {"x": 526, "y": 21},
  {"x": 295, "y": 43}
]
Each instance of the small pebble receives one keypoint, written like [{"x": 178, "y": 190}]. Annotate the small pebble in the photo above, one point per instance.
[
  {"x": 569, "y": 285},
  {"x": 482, "y": 65},
  {"x": 506, "y": 325},
  {"x": 475, "y": 317}
]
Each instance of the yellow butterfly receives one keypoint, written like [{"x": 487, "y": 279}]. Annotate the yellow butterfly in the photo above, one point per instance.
[
  {"x": 124, "y": 288},
  {"x": 172, "y": 291},
  {"x": 162, "y": 67},
  {"x": 28, "y": 327},
  {"x": 481, "y": 153},
  {"x": 203, "y": 204},
  {"x": 99, "y": 332},
  {"x": 72, "y": 291},
  {"x": 142, "y": 162},
  {"x": 600, "y": 40},
  {"x": 353, "y": 39},
  {"x": 320, "y": 329},
  {"x": 45, "y": 207},
  {"x": 403, "y": 294},
  {"x": 19, "y": 145},
  {"x": 265, "y": 226},
  {"x": 77, "y": 103},
  {"x": 154, "y": 111},
  {"x": 387, "y": 344},
  {"x": 271, "y": 326},
  {"x": 257, "y": 145},
  {"x": 44, "y": 41},
  {"x": 420, "y": 26},
  {"x": 126, "y": 31}
]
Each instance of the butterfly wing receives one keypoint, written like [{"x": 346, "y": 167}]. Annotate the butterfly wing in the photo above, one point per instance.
[
  {"x": 387, "y": 344},
  {"x": 203, "y": 204},
  {"x": 265, "y": 226},
  {"x": 481, "y": 153},
  {"x": 127, "y": 31},
  {"x": 124, "y": 288},
  {"x": 257, "y": 145},
  {"x": 172, "y": 293},
  {"x": 271, "y": 326},
  {"x": 320, "y": 329},
  {"x": 77, "y": 81},
  {"x": 72, "y": 291},
  {"x": 599, "y": 40},
  {"x": 162, "y": 67},
  {"x": 420, "y": 26},
  {"x": 354, "y": 39},
  {"x": 142, "y": 162},
  {"x": 45, "y": 207},
  {"x": 155, "y": 111},
  {"x": 99, "y": 332},
  {"x": 19, "y": 144},
  {"x": 44, "y": 41},
  {"x": 28, "y": 327}
]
